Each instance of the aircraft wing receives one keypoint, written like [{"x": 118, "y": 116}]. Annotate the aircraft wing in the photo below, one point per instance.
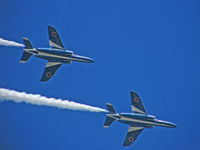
[
  {"x": 54, "y": 38},
  {"x": 136, "y": 103},
  {"x": 132, "y": 135},
  {"x": 50, "y": 69}
]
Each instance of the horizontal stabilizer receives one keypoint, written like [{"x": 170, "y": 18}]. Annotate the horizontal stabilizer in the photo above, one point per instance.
[
  {"x": 25, "y": 56},
  {"x": 110, "y": 108},
  {"x": 108, "y": 122},
  {"x": 27, "y": 44}
]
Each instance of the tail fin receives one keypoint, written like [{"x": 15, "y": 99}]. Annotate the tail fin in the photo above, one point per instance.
[
  {"x": 109, "y": 119},
  {"x": 27, "y": 50}
]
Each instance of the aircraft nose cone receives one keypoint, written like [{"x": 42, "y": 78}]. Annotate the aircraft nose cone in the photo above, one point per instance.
[
  {"x": 173, "y": 125},
  {"x": 91, "y": 60}
]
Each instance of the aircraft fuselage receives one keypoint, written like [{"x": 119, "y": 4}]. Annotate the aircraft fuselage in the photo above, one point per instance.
[
  {"x": 146, "y": 121},
  {"x": 57, "y": 55}
]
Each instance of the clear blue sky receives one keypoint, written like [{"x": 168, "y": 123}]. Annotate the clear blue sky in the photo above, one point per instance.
[{"x": 151, "y": 47}]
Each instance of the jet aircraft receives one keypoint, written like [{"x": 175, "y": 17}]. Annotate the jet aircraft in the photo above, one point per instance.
[
  {"x": 56, "y": 55},
  {"x": 138, "y": 120}
]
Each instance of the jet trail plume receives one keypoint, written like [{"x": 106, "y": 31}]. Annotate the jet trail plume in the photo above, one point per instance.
[
  {"x": 36, "y": 99},
  {"x": 10, "y": 43}
]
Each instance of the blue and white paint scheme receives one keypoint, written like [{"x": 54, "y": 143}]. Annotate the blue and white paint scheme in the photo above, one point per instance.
[
  {"x": 56, "y": 55},
  {"x": 138, "y": 120}
]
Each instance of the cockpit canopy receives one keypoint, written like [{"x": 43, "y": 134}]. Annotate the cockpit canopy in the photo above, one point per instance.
[
  {"x": 55, "y": 51},
  {"x": 151, "y": 117},
  {"x": 68, "y": 52}
]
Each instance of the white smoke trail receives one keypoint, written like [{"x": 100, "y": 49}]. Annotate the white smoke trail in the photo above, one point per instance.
[
  {"x": 10, "y": 43},
  {"x": 36, "y": 99}
]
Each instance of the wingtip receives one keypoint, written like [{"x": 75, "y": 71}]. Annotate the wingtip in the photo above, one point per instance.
[
  {"x": 51, "y": 27},
  {"x": 25, "y": 38},
  {"x": 125, "y": 145},
  {"x": 131, "y": 91},
  {"x": 134, "y": 93},
  {"x": 108, "y": 104},
  {"x": 43, "y": 80}
]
